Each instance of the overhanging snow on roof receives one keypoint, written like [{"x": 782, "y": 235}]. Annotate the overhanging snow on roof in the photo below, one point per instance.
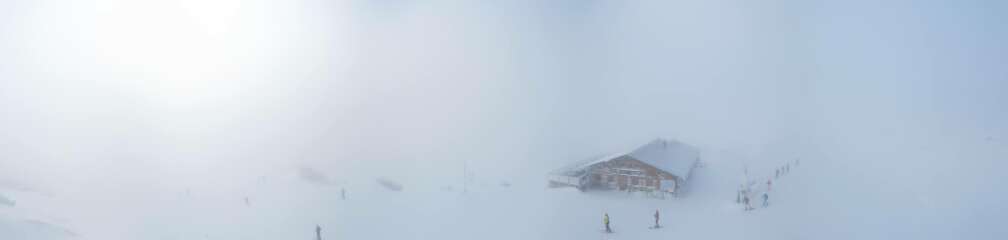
[
  {"x": 578, "y": 168},
  {"x": 670, "y": 156}
]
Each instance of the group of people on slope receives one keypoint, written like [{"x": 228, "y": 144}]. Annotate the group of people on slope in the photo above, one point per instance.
[
  {"x": 608, "y": 229},
  {"x": 743, "y": 198},
  {"x": 742, "y": 194}
]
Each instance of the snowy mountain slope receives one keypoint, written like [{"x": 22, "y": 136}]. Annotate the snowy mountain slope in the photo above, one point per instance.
[
  {"x": 819, "y": 199},
  {"x": 802, "y": 206}
]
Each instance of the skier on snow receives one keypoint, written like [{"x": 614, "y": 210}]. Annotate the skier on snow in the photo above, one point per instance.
[
  {"x": 605, "y": 220},
  {"x": 766, "y": 197},
  {"x": 745, "y": 200},
  {"x": 738, "y": 196},
  {"x": 656, "y": 219},
  {"x": 318, "y": 232}
]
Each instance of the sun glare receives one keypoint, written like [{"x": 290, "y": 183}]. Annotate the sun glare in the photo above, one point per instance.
[{"x": 178, "y": 48}]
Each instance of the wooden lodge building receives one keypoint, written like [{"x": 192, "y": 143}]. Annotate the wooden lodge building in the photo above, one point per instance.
[{"x": 659, "y": 166}]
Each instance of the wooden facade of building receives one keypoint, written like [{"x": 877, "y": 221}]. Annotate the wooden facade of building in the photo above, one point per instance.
[
  {"x": 628, "y": 174},
  {"x": 659, "y": 166}
]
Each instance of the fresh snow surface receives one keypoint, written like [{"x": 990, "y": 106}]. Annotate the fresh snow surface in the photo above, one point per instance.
[{"x": 807, "y": 203}]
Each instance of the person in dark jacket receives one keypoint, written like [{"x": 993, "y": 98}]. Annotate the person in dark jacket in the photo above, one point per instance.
[
  {"x": 766, "y": 198},
  {"x": 656, "y": 219},
  {"x": 745, "y": 201},
  {"x": 318, "y": 232}
]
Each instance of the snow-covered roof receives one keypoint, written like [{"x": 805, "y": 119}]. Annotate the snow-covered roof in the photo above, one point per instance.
[
  {"x": 578, "y": 168},
  {"x": 671, "y": 156}
]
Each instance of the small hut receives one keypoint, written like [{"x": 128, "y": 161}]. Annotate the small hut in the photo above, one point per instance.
[{"x": 660, "y": 165}]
